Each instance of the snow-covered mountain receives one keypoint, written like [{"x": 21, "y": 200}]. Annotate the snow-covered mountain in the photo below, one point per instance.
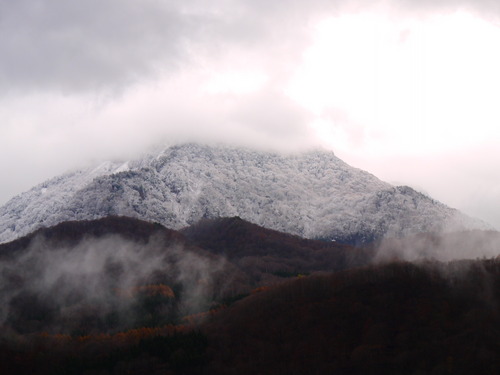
[{"x": 313, "y": 194}]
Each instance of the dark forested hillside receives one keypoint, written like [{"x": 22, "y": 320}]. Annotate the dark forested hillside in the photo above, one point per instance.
[
  {"x": 225, "y": 296},
  {"x": 108, "y": 275},
  {"x": 397, "y": 318},
  {"x": 70, "y": 233},
  {"x": 98, "y": 276},
  {"x": 267, "y": 254}
]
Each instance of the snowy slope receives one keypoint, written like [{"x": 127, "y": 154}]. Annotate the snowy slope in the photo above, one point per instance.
[{"x": 314, "y": 195}]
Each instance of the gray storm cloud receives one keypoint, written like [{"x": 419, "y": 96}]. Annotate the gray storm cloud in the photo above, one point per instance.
[
  {"x": 91, "y": 45},
  {"x": 71, "y": 46}
]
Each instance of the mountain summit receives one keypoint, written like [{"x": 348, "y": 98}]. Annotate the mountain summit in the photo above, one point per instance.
[{"x": 312, "y": 194}]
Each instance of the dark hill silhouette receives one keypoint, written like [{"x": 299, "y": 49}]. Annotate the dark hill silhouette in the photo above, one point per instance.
[
  {"x": 50, "y": 277},
  {"x": 269, "y": 252},
  {"x": 70, "y": 233},
  {"x": 263, "y": 255}
]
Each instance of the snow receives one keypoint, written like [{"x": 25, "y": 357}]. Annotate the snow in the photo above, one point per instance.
[
  {"x": 313, "y": 194},
  {"x": 122, "y": 168}
]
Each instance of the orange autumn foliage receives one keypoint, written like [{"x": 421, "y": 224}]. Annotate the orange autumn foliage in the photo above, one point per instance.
[
  {"x": 259, "y": 289},
  {"x": 198, "y": 318},
  {"x": 132, "y": 336}
]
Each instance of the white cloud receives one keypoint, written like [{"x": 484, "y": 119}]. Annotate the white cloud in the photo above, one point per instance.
[{"x": 378, "y": 82}]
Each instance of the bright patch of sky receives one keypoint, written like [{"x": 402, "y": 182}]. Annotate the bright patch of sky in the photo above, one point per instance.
[{"x": 404, "y": 86}]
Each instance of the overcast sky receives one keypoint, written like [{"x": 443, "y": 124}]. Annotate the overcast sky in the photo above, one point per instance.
[{"x": 408, "y": 90}]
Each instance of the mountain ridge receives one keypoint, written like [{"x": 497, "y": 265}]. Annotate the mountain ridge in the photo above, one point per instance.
[{"x": 313, "y": 195}]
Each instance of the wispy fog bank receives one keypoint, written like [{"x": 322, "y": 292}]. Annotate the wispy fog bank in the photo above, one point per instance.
[
  {"x": 441, "y": 246},
  {"x": 102, "y": 285}
]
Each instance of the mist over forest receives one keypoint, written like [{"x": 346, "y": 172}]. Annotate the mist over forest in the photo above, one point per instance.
[
  {"x": 118, "y": 294},
  {"x": 249, "y": 187}
]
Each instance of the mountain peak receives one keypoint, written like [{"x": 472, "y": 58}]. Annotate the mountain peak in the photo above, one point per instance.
[{"x": 312, "y": 194}]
